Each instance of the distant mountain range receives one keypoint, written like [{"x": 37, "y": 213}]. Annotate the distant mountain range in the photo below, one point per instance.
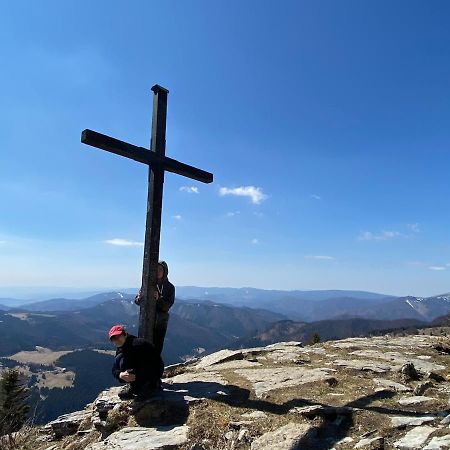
[
  {"x": 193, "y": 326},
  {"x": 289, "y": 330},
  {"x": 304, "y": 306}
]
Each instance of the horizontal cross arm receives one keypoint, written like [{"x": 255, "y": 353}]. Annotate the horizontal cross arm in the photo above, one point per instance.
[
  {"x": 143, "y": 155},
  {"x": 113, "y": 145},
  {"x": 174, "y": 166}
]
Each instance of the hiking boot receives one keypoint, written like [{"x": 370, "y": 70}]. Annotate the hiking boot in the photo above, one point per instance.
[
  {"x": 146, "y": 391},
  {"x": 126, "y": 393}
]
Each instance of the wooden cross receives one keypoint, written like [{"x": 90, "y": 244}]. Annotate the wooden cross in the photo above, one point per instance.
[{"x": 158, "y": 164}]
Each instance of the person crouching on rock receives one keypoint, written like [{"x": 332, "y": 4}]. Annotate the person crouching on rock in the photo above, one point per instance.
[
  {"x": 165, "y": 298},
  {"x": 136, "y": 363}
]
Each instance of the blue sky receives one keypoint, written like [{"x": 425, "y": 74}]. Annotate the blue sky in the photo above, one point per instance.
[{"x": 324, "y": 123}]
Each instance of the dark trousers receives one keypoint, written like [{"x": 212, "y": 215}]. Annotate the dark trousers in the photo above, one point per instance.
[
  {"x": 158, "y": 337},
  {"x": 147, "y": 377}
]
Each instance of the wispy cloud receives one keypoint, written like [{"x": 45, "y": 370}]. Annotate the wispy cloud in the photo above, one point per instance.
[
  {"x": 124, "y": 242},
  {"x": 2, "y": 242},
  {"x": 177, "y": 217},
  {"x": 233, "y": 213},
  {"x": 320, "y": 257},
  {"x": 256, "y": 194},
  {"x": 414, "y": 227},
  {"x": 255, "y": 241},
  {"x": 437, "y": 268},
  {"x": 316, "y": 197},
  {"x": 383, "y": 236},
  {"x": 190, "y": 189},
  {"x": 415, "y": 263}
]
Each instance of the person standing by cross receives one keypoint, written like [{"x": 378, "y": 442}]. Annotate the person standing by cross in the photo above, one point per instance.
[{"x": 164, "y": 297}]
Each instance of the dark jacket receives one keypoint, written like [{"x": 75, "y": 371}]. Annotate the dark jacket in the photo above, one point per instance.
[
  {"x": 166, "y": 298},
  {"x": 141, "y": 356}
]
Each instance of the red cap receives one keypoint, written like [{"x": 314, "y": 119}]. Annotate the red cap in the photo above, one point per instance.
[{"x": 116, "y": 330}]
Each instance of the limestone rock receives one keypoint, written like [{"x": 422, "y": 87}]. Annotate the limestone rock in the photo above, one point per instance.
[
  {"x": 438, "y": 442},
  {"x": 445, "y": 420},
  {"x": 414, "y": 439},
  {"x": 422, "y": 387},
  {"x": 374, "y": 443},
  {"x": 139, "y": 438},
  {"x": 107, "y": 400},
  {"x": 255, "y": 415},
  {"x": 392, "y": 385},
  {"x": 219, "y": 357},
  {"x": 266, "y": 380},
  {"x": 359, "y": 364},
  {"x": 415, "y": 400},
  {"x": 288, "y": 437},
  {"x": 403, "y": 421},
  {"x": 315, "y": 410},
  {"x": 68, "y": 424}
]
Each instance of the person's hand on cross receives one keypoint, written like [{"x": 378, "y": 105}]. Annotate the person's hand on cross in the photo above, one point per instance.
[
  {"x": 138, "y": 297},
  {"x": 127, "y": 376}
]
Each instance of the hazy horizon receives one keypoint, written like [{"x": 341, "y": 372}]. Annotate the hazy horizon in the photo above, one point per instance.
[{"x": 47, "y": 292}]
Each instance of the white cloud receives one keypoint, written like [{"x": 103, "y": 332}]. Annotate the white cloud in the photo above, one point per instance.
[
  {"x": 177, "y": 217},
  {"x": 383, "y": 236},
  {"x": 256, "y": 194},
  {"x": 2, "y": 242},
  {"x": 190, "y": 189},
  {"x": 322, "y": 257},
  {"x": 316, "y": 197},
  {"x": 233, "y": 213},
  {"x": 414, "y": 227},
  {"x": 437, "y": 268},
  {"x": 124, "y": 242},
  {"x": 255, "y": 241}
]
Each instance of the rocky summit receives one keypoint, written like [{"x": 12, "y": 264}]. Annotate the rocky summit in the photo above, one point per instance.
[{"x": 359, "y": 393}]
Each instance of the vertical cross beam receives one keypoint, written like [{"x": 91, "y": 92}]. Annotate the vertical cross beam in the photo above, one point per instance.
[{"x": 147, "y": 313}]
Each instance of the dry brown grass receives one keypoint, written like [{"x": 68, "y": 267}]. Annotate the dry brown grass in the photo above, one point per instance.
[
  {"x": 24, "y": 439},
  {"x": 55, "y": 379},
  {"x": 42, "y": 356}
]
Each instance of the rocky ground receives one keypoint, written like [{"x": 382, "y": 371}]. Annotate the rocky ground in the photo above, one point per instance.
[{"x": 363, "y": 393}]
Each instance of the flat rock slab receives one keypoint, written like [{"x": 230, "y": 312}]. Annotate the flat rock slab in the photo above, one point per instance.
[
  {"x": 438, "y": 442},
  {"x": 406, "y": 421},
  {"x": 359, "y": 364},
  {"x": 380, "y": 342},
  {"x": 238, "y": 364},
  {"x": 285, "y": 356},
  {"x": 68, "y": 423},
  {"x": 414, "y": 400},
  {"x": 219, "y": 357},
  {"x": 391, "y": 385},
  {"x": 288, "y": 437},
  {"x": 316, "y": 410},
  {"x": 107, "y": 400},
  {"x": 399, "y": 358},
  {"x": 255, "y": 415},
  {"x": 266, "y": 380},
  {"x": 376, "y": 441},
  {"x": 414, "y": 439},
  {"x": 139, "y": 438},
  {"x": 285, "y": 344}
]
